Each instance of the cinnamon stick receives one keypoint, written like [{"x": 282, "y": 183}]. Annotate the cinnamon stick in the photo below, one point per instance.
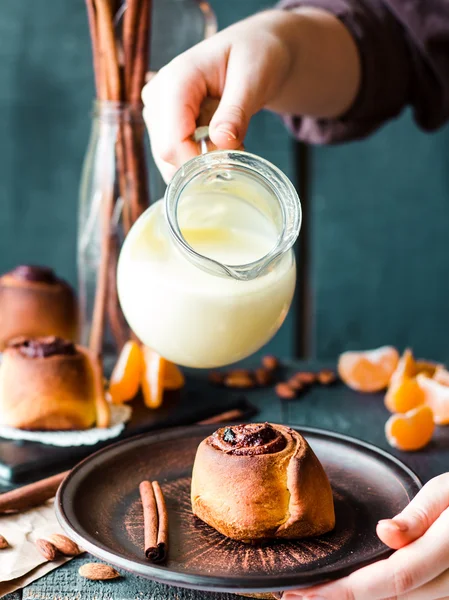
[
  {"x": 100, "y": 82},
  {"x": 97, "y": 329},
  {"x": 142, "y": 52},
  {"x": 129, "y": 40},
  {"x": 230, "y": 415},
  {"x": 31, "y": 495},
  {"x": 162, "y": 530},
  {"x": 115, "y": 316},
  {"x": 155, "y": 520},
  {"x": 108, "y": 48}
]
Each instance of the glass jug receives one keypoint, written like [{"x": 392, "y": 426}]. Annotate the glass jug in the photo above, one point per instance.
[{"x": 206, "y": 276}]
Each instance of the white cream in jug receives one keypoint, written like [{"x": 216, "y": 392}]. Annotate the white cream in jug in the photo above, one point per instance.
[{"x": 190, "y": 316}]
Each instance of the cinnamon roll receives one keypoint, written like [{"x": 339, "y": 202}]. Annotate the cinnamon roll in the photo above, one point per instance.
[
  {"x": 35, "y": 302},
  {"x": 260, "y": 481},
  {"x": 51, "y": 384}
]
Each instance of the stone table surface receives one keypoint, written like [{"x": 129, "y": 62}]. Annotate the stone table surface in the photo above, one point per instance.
[{"x": 335, "y": 408}]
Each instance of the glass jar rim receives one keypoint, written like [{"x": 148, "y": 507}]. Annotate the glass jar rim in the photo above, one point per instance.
[
  {"x": 111, "y": 111},
  {"x": 274, "y": 179}
]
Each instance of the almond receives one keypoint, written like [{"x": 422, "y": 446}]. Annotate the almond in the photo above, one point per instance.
[
  {"x": 262, "y": 376},
  {"x": 47, "y": 549},
  {"x": 239, "y": 379},
  {"x": 306, "y": 377},
  {"x": 216, "y": 378},
  {"x": 326, "y": 377},
  {"x": 3, "y": 543},
  {"x": 295, "y": 384},
  {"x": 98, "y": 572},
  {"x": 270, "y": 363},
  {"x": 240, "y": 373},
  {"x": 64, "y": 544},
  {"x": 284, "y": 391}
]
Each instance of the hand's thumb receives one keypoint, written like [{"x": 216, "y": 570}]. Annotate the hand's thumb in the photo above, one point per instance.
[
  {"x": 241, "y": 99},
  {"x": 228, "y": 126},
  {"x": 418, "y": 516}
]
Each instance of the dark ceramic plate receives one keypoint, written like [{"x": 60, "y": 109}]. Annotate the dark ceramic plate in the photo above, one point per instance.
[{"x": 98, "y": 505}]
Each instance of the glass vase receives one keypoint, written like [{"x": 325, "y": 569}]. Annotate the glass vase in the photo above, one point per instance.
[{"x": 113, "y": 194}]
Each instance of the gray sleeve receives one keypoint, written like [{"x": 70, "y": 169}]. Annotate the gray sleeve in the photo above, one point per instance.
[{"x": 404, "y": 51}]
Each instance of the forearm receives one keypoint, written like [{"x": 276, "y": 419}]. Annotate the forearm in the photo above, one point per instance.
[{"x": 325, "y": 70}]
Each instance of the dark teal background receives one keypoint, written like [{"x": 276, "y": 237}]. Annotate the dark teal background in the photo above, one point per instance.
[{"x": 377, "y": 211}]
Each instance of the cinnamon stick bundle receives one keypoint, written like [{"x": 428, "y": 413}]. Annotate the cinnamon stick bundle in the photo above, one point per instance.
[
  {"x": 155, "y": 518},
  {"x": 120, "y": 59},
  {"x": 231, "y": 415}
]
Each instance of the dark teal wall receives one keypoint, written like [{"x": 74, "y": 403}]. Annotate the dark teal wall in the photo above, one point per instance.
[
  {"x": 379, "y": 213},
  {"x": 45, "y": 94},
  {"x": 378, "y": 210}
]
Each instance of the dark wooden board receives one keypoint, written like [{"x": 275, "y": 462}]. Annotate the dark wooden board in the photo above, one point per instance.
[{"x": 26, "y": 461}]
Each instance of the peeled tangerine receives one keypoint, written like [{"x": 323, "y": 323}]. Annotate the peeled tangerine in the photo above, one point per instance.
[
  {"x": 435, "y": 392},
  {"x": 411, "y": 431},
  {"x": 368, "y": 371},
  {"x": 404, "y": 393},
  {"x": 158, "y": 375},
  {"x": 139, "y": 366},
  {"x": 125, "y": 379}
]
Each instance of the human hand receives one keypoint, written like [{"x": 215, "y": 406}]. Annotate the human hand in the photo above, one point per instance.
[
  {"x": 419, "y": 570},
  {"x": 243, "y": 66}
]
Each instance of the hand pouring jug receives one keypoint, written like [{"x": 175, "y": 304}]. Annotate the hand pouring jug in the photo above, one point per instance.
[{"x": 206, "y": 275}]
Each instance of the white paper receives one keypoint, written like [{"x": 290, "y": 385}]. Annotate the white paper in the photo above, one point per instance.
[
  {"x": 21, "y": 531},
  {"x": 120, "y": 414}
]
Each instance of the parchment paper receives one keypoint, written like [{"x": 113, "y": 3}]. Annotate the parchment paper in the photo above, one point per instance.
[{"x": 22, "y": 563}]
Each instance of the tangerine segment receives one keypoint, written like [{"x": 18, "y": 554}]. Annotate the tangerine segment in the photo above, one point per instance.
[
  {"x": 127, "y": 373},
  {"x": 173, "y": 378},
  {"x": 436, "y": 397},
  {"x": 368, "y": 371},
  {"x": 153, "y": 377},
  {"x": 441, "y": 375},
  {"x": 404, "y": 393},
  {"x": 411, "y": 431}
]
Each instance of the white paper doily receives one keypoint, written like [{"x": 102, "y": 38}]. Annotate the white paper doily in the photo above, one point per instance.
[{"x": 120, "y": 414}]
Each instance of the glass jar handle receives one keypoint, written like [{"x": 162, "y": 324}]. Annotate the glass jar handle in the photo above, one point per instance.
[
  {"x": 205, "y": 145},
  {"x": 201, "y": 137}
]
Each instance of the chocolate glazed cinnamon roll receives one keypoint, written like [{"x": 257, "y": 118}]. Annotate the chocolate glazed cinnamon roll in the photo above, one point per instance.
[
  {"x": 260, "y": 481},
  {"x": 50, "y": 384},
  {"x": 35, "y": 302}
]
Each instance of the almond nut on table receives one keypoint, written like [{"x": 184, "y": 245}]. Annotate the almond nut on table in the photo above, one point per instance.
[
  {"x": 47, "y": 549},
  {"x": 270, "y": 363},
  {"x": 326, "y": 377},
  {"x": 285, "y": 392},
  {"x": 306, "y": 377},
  {"x": 98, "y": 572},
  {"x": 3, "y": 543},
  {"x": 263, "y": 376},
  {"x": 295, "y": 384},
  {"x": 239, "y": 379},
  {"x": 216, "y": 377},
  {"x": 64, "y": 544}
]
